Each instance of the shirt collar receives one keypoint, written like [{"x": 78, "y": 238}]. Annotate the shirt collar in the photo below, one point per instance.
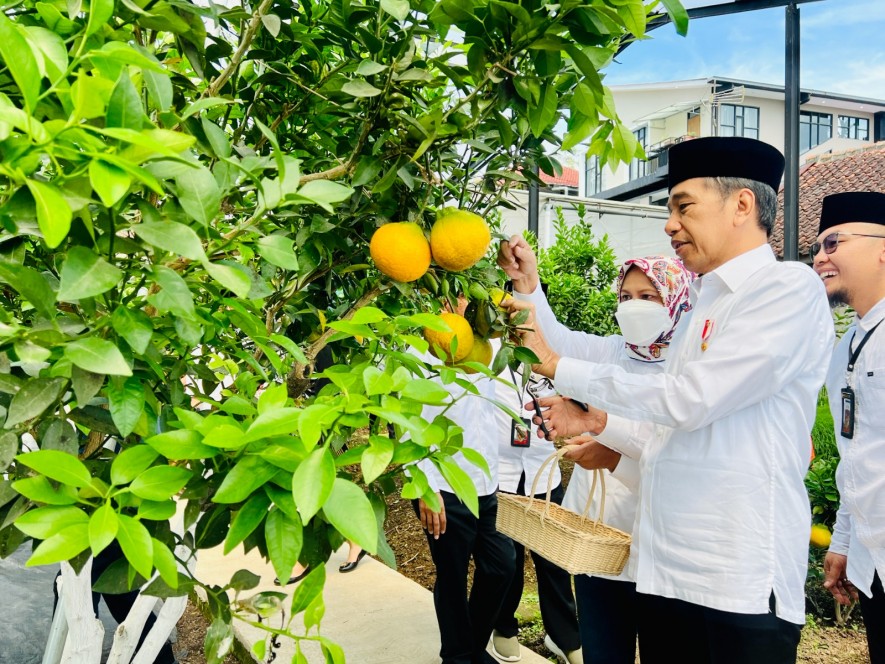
[
  {"x": 874, "y": 315},
  {"x": 732, "y": 274}
]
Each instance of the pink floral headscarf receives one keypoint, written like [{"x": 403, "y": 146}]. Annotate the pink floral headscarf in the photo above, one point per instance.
[{"x": 672, "y": 280}]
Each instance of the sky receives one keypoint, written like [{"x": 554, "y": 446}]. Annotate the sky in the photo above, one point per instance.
[{"x": 841, "y": 45}]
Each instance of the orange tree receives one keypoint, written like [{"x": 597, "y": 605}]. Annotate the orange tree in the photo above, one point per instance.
[{"x": 187, "y": 191}]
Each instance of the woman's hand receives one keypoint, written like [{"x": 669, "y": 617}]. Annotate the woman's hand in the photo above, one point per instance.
[
  {"x": 530, "y": 335},
  {"x": 590, "y": 454}
]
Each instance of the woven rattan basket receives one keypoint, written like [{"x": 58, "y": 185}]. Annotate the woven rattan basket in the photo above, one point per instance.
[{"x": 572, "y": 541}]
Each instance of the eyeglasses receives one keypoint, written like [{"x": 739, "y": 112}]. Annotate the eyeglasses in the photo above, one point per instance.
[{"x": 832, "y": 241}]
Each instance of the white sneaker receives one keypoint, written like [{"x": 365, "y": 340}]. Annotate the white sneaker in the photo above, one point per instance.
[
  {"x": 505, "y": 648},
  {"x": 573, "y": 657}
]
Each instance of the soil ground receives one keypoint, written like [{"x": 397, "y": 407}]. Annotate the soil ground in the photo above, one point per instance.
[{"x": 821, "y": 643}]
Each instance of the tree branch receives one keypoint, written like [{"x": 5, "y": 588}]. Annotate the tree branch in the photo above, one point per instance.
[{"x": 254, "y": 25}]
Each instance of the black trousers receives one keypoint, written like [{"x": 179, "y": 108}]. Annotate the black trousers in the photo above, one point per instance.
[
  {"x": 607, "y": 614},
  {"x": 465, "y": 622},
  {"x": 555, "y": 595},
  {"x": 873, "y": 610},
  {"x": 119, "y": 605},
  {"x": 706, "y": 636}
]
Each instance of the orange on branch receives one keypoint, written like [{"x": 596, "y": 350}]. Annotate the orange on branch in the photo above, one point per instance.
[
  {"x": 400, "y": 251},
  {"x": 458, "y": 239},
  {"x": 459, "y": 329}
]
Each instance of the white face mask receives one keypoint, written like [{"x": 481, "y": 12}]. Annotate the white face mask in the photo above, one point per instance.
[{"x": 642, "y": 322}]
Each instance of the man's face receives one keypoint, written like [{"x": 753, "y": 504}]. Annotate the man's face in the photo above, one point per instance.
[
  {"x": 699, "y": 225},
  {"x": 855, "y": 263}
]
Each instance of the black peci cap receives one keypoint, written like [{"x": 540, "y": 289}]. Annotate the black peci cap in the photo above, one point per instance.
[
  {"x": 731, "y": 156},
  {"x": 851, "y": 206}
]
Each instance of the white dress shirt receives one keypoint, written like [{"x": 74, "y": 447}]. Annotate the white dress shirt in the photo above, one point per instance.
[
  {"x": 475, "y": 414},
  {"x": 621, "y": 487},
  {"x": 725, "y": 437},
  {"x": 860, "y": 475},
  {"x": 514, "y": 461}
]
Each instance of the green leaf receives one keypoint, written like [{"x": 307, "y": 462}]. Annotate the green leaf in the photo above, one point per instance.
[
  {"x": 219, "y": 640},
  {"x": 477, "y": 460},
  {"x": 34, "y": 397},
  {"x": 271, "y": 423},
  {"x": 124, "y": 107},
  {"x": 358, "y": 88},
  {"x": 376, "y": 381},
  {"x": 399, "y": 9},
  {"x": 53, "y": 212},
  {"x": 31, "y": 285},
  {"x": 40, "y": 490},
  {"x": 58, "y": 466},
  {"x": 159, "y": 87},
  {"x": 350, "y": 512},
  {"x": 172, "y": 237},
  {"x": 461, "y": 483},
  {"x": 52, "y": 47},
  {"x": 181, "y": 445},
  {"x": 126, "y": 402},
  {"x": 678, "y": 15},
  {"x": 8, "y": 449},
  {"x": 370, "y": 67},
  {"x": 160, "y": 482},
  {"x": 85, "y": 274},
  {"x": 426, "y": 391},
  {"x": 64, "y": 545},
  {"x": 308, "y": 590},
  {"x": 44, "y": 522},
  {"x": 312, "y": 482},
  {"x": 218, "y": 139},
  {"x": 243, "y": 579},
  {"x": 368, "y": 315},
  {"x": 135, "y": 540},
  {"x": 165, "y": 563},
  {"x": 154, "y": 510},
  {"x": 325, "y": 192},
  {"x": 134, "y": 326},
  {"x": 284, "y": 539},
  {"x": 99, "y": 13},
  {"x": 234, "y": 280},
  {"x": 198, "y": 193},
  {"x": 103, "y": 525},
  {"x": 203, "y": 104},
  {"x": 272, "y": 23},
  {"x": 376, "y": 458},
  {"x": 110, "y": 182},
  {"x": 246, "y": 520},
  {"x": 279, "y": 250},
  {"x": 20, "y": 61},
  {"x": 130, "y": 463},
  {"x": 174, "y": 294},
  {"x": 249, "y": 474},
  {"x": 97, "y": 356}
]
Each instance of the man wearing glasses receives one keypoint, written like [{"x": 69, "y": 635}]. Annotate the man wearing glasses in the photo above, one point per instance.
[{"x": 849, "y": 256}]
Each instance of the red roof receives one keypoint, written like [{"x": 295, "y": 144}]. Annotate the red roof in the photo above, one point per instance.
[
  {"x": 569, "y": 178},
  {"x": 861, "y": 169}
]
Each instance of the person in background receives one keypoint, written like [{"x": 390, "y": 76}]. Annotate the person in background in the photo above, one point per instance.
[
  {"x": 849, "y": 256},
  {"x": 521, "y": 454},
  {"x": 721, "y": 538},
  {"x": 455, "y": 535},
  {"x": 653, "y": 294}
]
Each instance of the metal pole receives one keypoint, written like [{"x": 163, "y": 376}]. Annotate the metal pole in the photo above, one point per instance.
[
  {"x": 534, "y": 207},
  {"x": 791, "y": 135}
]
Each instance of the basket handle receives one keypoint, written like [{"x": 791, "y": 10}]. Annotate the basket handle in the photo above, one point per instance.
[
  {"x": 598, "y": 478},
  {"x": 534, "y": 491}
]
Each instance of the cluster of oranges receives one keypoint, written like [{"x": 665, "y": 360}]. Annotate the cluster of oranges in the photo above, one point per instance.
[{"x": 458, "y": 240}]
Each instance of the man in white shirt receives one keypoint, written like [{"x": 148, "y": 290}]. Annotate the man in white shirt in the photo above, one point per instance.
[
  {"x": 849, "y": 256},
  {"x": 455, "y": 535},
  {"x": 721, "y": 537}
]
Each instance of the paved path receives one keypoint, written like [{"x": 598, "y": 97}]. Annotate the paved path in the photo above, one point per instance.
[{"x": 376, "y": 614}]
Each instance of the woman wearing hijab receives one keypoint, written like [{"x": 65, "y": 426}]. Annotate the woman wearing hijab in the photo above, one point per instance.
[{"x": 652, "y": 294}]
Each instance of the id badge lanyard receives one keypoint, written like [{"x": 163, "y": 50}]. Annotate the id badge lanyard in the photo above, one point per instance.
[{"x": 848, "y": 400}]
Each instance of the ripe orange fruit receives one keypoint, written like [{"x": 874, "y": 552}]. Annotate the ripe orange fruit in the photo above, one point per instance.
[
  {"x": 458, "y": 239},
  {"x": 400, "y": 251},
  {"x": 820, "y": 536},
  {"x": 460, "y": 330},
  {"x": 481, "y": 352}
]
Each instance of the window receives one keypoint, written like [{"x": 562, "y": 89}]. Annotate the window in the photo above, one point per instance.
[
  {"x": 814, "y": 129},
  {"x": 639, "y": 167},
  {"x": 850, "y": 127},
  {"x": 593, "y": 176},
  {"x": 739, "y": 121}
]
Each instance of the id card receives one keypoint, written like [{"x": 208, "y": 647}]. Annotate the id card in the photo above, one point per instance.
[
  {"x": 520, "y": 433},
  {"x": 847, "y": 412}
]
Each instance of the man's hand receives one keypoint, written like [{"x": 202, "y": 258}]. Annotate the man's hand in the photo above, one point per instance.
[
  {"x": 835, "y": 565},
  {"x": 565, "y": 418},
  {"x": 590, "y": 454},
  {"x": 517, "y": 259},
  {"x": 433, "y": 522},
  {"x": 531, "y": 337}
]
